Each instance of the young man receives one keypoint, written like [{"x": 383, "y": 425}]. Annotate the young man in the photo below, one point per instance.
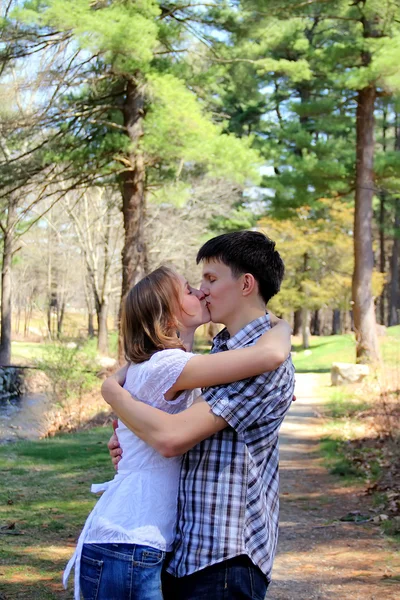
[{"x": 229, "y": 490}]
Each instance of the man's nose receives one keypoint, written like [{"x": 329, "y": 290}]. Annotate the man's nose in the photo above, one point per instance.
[{"x": 204, "y": 289}]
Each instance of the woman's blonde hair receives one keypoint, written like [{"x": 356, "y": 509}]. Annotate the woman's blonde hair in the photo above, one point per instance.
[{"x": 149, "y": 321}]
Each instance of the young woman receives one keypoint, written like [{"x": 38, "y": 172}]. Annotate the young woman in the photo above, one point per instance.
[{"x": 121, "y": 550}]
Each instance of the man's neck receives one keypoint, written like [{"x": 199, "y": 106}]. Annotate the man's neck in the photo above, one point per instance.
[{"x": 242, "y": 318}]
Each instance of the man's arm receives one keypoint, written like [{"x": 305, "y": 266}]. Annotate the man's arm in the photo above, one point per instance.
[{"x": 169, "y": 434}]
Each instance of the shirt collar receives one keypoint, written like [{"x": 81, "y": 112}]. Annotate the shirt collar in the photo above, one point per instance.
[{"x": 246, "y": 334}]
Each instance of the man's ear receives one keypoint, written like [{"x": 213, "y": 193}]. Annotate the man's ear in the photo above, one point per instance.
[{"x": 249, "y": 284}]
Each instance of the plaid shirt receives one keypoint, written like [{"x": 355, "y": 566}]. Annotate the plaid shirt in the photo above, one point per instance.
[{"x": 229, "y": 488}]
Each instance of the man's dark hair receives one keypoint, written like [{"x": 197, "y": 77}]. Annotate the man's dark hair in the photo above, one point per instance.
[{"x": 248, "y": 252}]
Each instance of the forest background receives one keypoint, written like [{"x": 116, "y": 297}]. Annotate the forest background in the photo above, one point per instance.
[{"x": 130, "y": 132}]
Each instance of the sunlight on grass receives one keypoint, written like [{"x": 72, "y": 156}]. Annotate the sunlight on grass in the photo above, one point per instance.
[
  {"x": 325, "y": 350},
  {"x": 46, "y": 494}
]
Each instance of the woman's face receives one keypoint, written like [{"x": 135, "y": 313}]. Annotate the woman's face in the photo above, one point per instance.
[{"x": 193, "y": 310}]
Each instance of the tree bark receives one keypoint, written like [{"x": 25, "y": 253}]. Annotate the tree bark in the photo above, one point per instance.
[
  {"x": 336, "y": 322},
  {"x": 382, "y": 210},
  {"x": 305, "y": 327},
  {"x": 6, "y": 291},
  {"x": 60, "y": 318},
  {"x": 102, "y": 342},
  {"x": 297, "y": 322},
  {"x": 363, "y": 305},
  {"x": 315, "y": 323},
  {"x": 382, "y": 256},
  {"x": 89, "y": 304},
  {"x": 394, "y": 290},
  {"x": 133, "y": 195}
]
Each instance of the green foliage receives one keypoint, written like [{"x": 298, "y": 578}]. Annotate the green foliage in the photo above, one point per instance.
[
  {"x": 123, "y": 42},
  {"x": 333, "y": 451},
  {"x": 124, "y": 33},
  {"x": 238, "y": 219},
  {"x": 69, "y": 369},
  {"x": 317, "y": 248}
]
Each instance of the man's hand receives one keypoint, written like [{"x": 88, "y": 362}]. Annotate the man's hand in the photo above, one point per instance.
[
  {"x": 120, "y": 375},
  {"x": 114, "y": 447}
]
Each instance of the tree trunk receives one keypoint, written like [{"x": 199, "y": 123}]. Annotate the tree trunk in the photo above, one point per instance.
[
  {"x": 315, "y": 323},
  {"x": 6, "y": 307},
  {"x": 102, "y": 343},
  {"x": 305, "y": 327},
  {"x": 394, "y": 290},
  {"x": 336, "y": 322},
  {"x": 382, "y": 198},
  {"x": 363, "y": 308},
  {"x": 90, "y": 325},
  {"x": 49, "y": 279},
  {"x": 133, "y": 195},
  {"x": 60, "y": 319},
  {"x": 382, "y": 257},
  {"x": 297, "y": 322}
]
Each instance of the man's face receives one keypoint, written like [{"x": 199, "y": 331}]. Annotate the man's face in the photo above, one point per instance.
[{"x": 222, "y": 291}]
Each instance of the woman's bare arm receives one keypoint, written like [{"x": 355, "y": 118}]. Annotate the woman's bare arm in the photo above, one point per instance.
[{"x": 269, "y": 352}]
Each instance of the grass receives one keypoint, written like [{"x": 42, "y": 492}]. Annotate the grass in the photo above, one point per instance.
[
  {"x": 26, "y": 352},
  {"x": 325, "y": 350},
  {"x": 45, "y": 498},
  {"x": 342, "y": 404},
  {"x": 333, "y": 451}
]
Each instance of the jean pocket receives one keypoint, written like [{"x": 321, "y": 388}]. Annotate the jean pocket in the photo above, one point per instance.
[
  {"x": 90, "y": 576},
  {"x": 149, "y": 557}
]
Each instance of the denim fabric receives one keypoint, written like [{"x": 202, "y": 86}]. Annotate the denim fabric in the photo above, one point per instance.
[
  {"x": 121, "y": 572},
  {"x": 234, "y": 579}
]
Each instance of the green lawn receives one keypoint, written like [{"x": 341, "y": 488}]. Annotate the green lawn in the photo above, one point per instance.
[
  {"x": 325, "y": 350},
  {"x": 45, "y": 498},
  {"x": 26, "y": 352}
]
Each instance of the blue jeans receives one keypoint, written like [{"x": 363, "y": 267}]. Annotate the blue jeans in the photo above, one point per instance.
[
  {"x": 121, "y": 572},
  {"x": 234, "y": 579}
]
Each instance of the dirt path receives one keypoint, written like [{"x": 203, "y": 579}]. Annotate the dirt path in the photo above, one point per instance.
[{"x": 320, "y": 557}]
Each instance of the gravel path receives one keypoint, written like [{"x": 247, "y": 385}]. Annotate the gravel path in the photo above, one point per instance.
[{"x": 320, "y": 557}]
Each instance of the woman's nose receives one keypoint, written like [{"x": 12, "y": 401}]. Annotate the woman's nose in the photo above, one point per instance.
[{"x": 198, "y": 293}]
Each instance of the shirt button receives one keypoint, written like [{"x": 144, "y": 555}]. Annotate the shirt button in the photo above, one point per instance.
[{"x": 224, "y": 401}]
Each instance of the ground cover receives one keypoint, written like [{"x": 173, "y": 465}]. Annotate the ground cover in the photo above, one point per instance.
[
  {"x": 362, "y": 434},
  {"x": 44, "y": 500}
]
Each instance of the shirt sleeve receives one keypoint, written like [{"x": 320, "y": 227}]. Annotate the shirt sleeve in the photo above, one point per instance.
[
  {"x": 162, "y": 371},
  {"x": 264, "y": 399}
]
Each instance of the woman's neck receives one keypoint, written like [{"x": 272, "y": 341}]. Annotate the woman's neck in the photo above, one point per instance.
[{"x": 187, "y": 337}]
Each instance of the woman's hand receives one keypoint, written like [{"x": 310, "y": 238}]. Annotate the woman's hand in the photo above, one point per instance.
[{"x": 274, "y": 320}]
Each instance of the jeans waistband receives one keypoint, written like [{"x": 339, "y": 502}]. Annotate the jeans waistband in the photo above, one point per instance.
[{"x": 123, "y": 551}]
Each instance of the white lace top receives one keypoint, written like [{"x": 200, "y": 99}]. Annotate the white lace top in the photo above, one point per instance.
[{"x": 139, "y": 506}]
